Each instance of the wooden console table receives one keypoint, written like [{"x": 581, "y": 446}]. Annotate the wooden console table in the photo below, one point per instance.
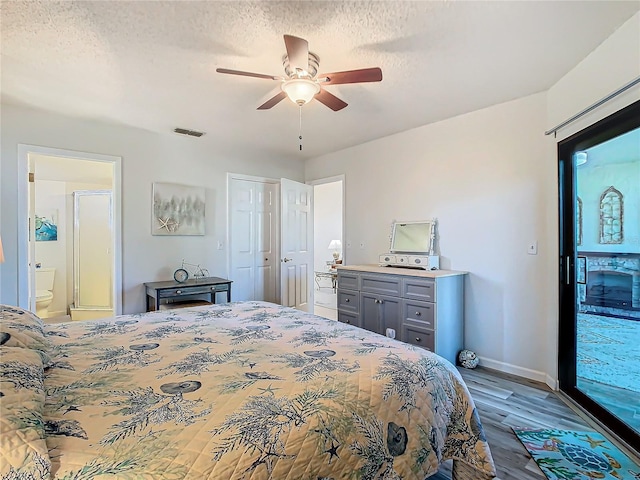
[{"x": 171, "y": 290}]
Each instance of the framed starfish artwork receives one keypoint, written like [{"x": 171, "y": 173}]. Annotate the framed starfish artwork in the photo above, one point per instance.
[{"x": 177, "y": 209}]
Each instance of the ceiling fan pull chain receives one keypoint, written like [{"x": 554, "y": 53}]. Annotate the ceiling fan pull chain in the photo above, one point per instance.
[{"x": 300, "y": 128}]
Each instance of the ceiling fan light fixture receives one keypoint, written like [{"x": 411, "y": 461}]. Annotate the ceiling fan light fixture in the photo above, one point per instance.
[{"x": 300, "y": 90}]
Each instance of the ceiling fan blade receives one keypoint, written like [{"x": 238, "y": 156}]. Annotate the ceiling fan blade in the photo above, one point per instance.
[
  {"x": 247, "y": 74},
  {"x": 330, "y": 100},
  {"x": 352, "y": 76},
  {"x": 298, "y": 52},
  {"x": 273, "y": 101}
]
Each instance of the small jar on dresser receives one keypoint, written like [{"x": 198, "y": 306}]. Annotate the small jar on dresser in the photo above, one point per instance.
[{"x": 421, "y": 307}]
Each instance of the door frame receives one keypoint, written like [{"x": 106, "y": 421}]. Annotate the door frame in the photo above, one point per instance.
[
  {"x": 26, "y": 273},
  {"x": 609, "y": 127},
  {"x": 252, "y": 178},
  {"x": 337, "y": 178}
]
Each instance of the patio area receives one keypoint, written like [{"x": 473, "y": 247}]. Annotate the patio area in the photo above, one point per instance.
[{"x": 608, "y": 364}]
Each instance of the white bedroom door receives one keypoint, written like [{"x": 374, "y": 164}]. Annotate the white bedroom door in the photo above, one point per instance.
[
  {"x": 253, "y": 239},
  {"x": 296, "y": 262}
]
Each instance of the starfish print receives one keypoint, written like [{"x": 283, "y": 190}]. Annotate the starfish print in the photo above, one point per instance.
[
  {"x": 164, "y": 223},
  {"x": 72, "y": 408},
  {"x": 333, "y": 452},
  {"x": 252, "y": 364},
  {"x": 269, "y": 389},
  {"x": 593, "y": 443}
]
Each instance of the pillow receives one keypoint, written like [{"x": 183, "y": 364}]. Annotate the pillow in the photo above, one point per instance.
[
  {"x": 21, "y": 328},
  {"x": 23, "y": 449}
]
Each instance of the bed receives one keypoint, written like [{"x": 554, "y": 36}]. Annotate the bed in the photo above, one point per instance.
[{"x": 246, "y": 390}]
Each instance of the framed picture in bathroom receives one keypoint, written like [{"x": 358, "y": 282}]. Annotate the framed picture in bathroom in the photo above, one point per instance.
[
  {"x": 177, "y": 209},
  {"x": 47, "y": 226}
]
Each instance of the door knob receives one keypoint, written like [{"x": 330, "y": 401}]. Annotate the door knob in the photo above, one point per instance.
[{"x": 285, "y": 259}]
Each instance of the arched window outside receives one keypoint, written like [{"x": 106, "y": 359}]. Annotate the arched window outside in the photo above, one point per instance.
[
  {"x": 611, "y": 216},
  {"x": 579, "y": 221}
]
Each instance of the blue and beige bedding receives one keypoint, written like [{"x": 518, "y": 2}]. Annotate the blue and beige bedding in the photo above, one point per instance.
[{"x": 247, "y": 390}]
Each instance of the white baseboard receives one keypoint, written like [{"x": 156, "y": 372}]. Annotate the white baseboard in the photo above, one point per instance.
[
  {"x": 552, "y": 383},
  {"x": 516, "y": 370}
]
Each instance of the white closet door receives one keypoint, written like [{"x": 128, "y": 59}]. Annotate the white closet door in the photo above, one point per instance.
[{"x": 253, "y": 239}]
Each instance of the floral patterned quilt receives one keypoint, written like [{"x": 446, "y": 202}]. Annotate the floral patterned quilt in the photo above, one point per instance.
[{"x": 248, "y": 390}]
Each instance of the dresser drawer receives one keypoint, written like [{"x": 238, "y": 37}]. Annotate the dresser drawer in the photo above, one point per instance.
[
  {"x": 348, "y": 317},
  {"x": 348, "y": 301},
  {"x": 422, "y": 312},
  {"x": 419, "y": 289},
  {"x": 382, "y": 284},
  {"x": 419, "y": 336},
  {"x": 348, "y": 281},
  {"x": 188, "y": 290}
]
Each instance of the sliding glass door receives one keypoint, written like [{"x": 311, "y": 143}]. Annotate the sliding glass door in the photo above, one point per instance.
[{"x": 599, "y": 355}]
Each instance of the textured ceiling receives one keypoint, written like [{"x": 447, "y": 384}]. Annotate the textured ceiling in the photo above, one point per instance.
[{"x": 151, "y": 64}]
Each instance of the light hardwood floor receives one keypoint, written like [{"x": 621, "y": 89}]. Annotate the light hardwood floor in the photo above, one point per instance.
[{"x": 506, "y": 401}]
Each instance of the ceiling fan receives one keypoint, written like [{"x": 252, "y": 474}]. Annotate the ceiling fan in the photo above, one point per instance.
[{"x": 302, "y": 82}]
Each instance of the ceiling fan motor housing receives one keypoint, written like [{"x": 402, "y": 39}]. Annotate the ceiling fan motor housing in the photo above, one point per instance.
[{"x": 312, "y": 69}]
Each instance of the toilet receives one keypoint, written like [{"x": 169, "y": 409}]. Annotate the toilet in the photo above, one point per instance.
[{"x": 44, "y": 290}]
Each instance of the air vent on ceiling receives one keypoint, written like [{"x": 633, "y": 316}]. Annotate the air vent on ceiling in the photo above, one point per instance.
[{"x": 184, "y": 131}]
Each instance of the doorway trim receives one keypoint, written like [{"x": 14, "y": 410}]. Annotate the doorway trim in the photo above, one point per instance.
[
  {"x": 24, "y": 150},
  {"x": 337, "y": 178}
]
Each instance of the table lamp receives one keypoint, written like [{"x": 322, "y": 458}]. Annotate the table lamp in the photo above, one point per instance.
[{"x": 336, "y": 246}]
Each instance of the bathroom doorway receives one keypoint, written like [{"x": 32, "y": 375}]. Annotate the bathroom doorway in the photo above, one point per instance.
[
  {"x": 328, "y": 228},
  {"x": 67, "y": 193}
]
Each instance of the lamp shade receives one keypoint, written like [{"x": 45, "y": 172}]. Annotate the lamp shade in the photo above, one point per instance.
[
  {"x": 335, "y": 245},
  {"x": 300, "y": 90}
]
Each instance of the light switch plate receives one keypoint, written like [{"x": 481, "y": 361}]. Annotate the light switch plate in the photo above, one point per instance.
[{"x": 532, "y": 248}]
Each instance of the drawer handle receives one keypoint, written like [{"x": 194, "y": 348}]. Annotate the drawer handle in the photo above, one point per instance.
[
  {"x": 178, "y": 292},
  {"x": 377, "y": 301},
  {"x": 418, "y": 339},
  {"x": 347, "y": 321},
  {"x": 418, "y": 314},
  {"x": 346, "y": 300}
]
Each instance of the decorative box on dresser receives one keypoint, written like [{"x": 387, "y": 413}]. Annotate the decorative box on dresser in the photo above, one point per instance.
[{"x": 424, "y": 307}]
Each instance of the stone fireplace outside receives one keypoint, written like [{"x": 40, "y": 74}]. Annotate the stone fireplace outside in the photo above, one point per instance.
[{"x": 612, "y": 284}]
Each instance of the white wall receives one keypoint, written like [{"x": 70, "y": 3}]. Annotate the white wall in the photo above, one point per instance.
[
  {"x": 483, "y": 175},
  {"x": 146, "y": 158},
  {"x": 613, "y": 64},
  {"x": 327, "y": 221}
]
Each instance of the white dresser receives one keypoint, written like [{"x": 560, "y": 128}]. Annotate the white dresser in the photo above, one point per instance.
[{"x": 424, "y": 308}]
